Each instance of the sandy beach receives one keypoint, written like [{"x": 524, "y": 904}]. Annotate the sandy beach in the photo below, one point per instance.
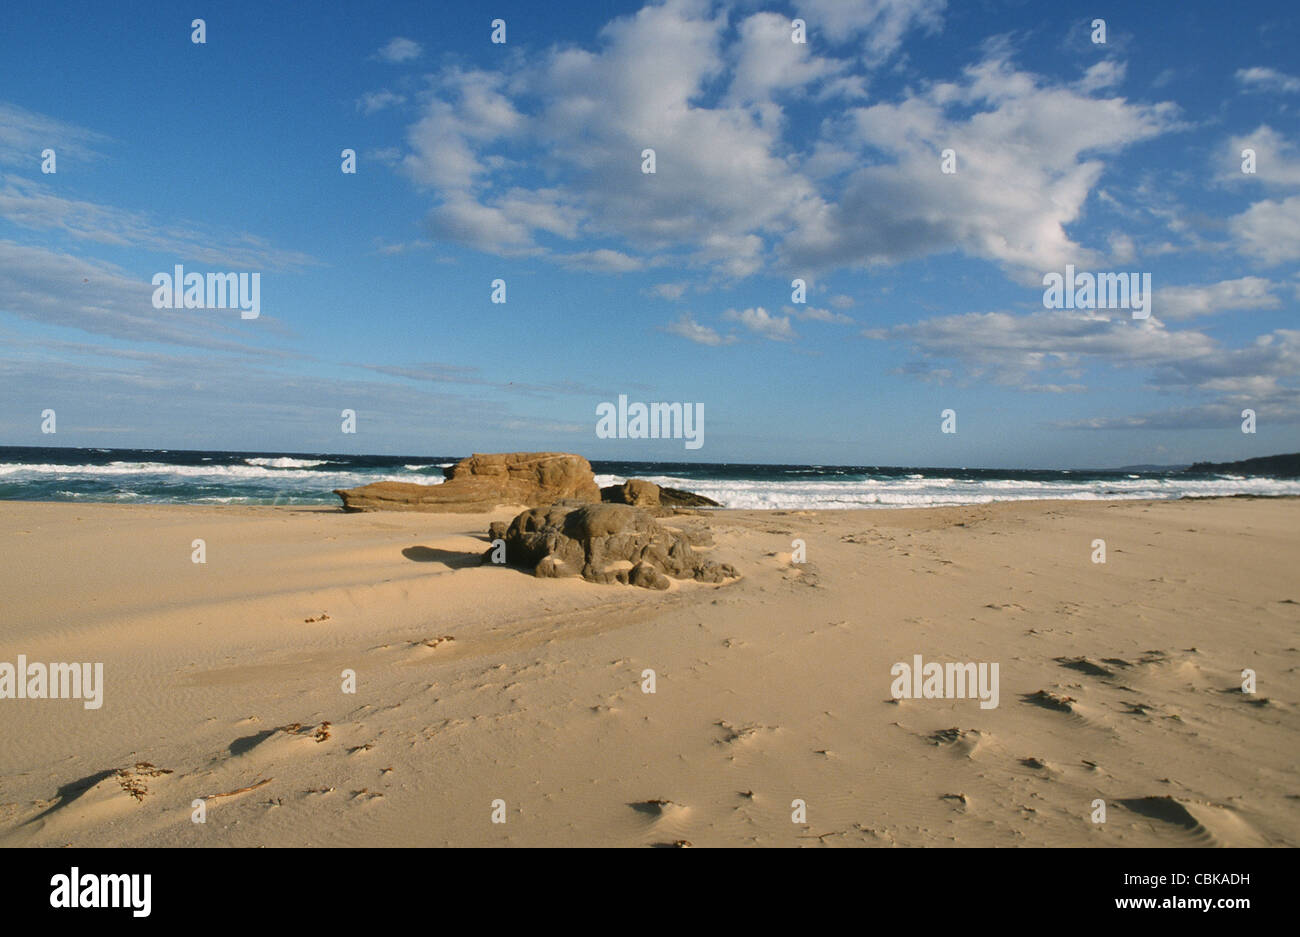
[{"x": 484, "y": 693}]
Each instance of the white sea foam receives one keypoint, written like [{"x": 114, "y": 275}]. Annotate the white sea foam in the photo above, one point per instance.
[
  {"x": 935, "y": 492},
  {"x": 286, "y": 462},
  {"x": 217, "y": 474}
]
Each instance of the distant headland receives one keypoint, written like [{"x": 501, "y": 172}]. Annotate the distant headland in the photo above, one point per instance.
[{"x": 1274, "y": 465}]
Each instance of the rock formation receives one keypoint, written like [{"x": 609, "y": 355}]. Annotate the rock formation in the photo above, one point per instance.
[
  {"x": 645, "y": 494},
  {"x": 606, "y": 543},
  {"x": 635, "y": 491},
  {"x": 481, "y": 483},
  {"x": 676, "y": 498},
  {"x": 484, "y": 482}
]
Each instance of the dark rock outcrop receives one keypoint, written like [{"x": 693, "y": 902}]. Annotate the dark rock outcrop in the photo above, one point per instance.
[
  {"x": 645, "y": 494},
  {"x": 483, "y": 482},
  {"x": 607, "y": 543},
  {"x": 676, "y": 498}
]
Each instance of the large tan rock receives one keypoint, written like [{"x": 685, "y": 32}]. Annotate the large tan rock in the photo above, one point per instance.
[
  {"x": 483, "y": 482},
  {"x": 637, "y": 492}
]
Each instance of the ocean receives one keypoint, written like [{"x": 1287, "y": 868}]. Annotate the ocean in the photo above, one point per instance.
[{"x": 132, "y": 476}]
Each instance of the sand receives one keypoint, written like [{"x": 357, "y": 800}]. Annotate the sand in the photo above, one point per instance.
[{"x": 484, "y": 694}]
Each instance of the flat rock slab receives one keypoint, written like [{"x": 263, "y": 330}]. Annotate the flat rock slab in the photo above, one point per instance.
[{"x": 483, "y": 482}]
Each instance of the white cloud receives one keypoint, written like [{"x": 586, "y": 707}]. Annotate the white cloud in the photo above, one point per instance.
[
  {"x": 1055, "y": 388},
  {"x": 374, "y": 101},
  {"x": 446, "y": 141},
  {"x": 24, "y": 134},
  {"x": 1006, "y": 348},
  {"x": 1267, "y": 79},
  {"x": 1017, "y": 350},
  {"x": 434, "y": 372},
  {"x": 813, "y": 314},
  {"x": 731, "y": 194},
  {"x": 670, "y": 291},
  {"x": 178, "y": 400},
  {"x": 601, "y": 261},
  {"x": 688, "y": 328},
  {"x": 399, "y": 50},
  {"x": 767, "y": 62},
  {"x": 542, "y": 210},
  {"x": 1187, "y": 302},
  {"x": 721, "y": 185},
  {"x": 56, "y": 288},
  {"x": 1108, "y": 73},
  {"x": 1269, "y": 231},
  {"x": 34, "y": 206},
  {"x": 483, "y": 227},
  {"x": 1122, "y": 249},
  {"x": 1027, "y": 159},
  {"x": 759, "y": 321},
  {"x": 1277, "y": 159},
  {"x": 884, "y": 22}
]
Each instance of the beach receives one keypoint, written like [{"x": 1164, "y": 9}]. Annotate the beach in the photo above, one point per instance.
[{"x": 491, "y": 707}]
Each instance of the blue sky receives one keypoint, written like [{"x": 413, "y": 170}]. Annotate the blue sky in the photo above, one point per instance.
[{"x": 774, "y": 160}]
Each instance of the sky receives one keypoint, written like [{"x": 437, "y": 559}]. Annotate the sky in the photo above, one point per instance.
[{"x": 774, "y": 161}]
